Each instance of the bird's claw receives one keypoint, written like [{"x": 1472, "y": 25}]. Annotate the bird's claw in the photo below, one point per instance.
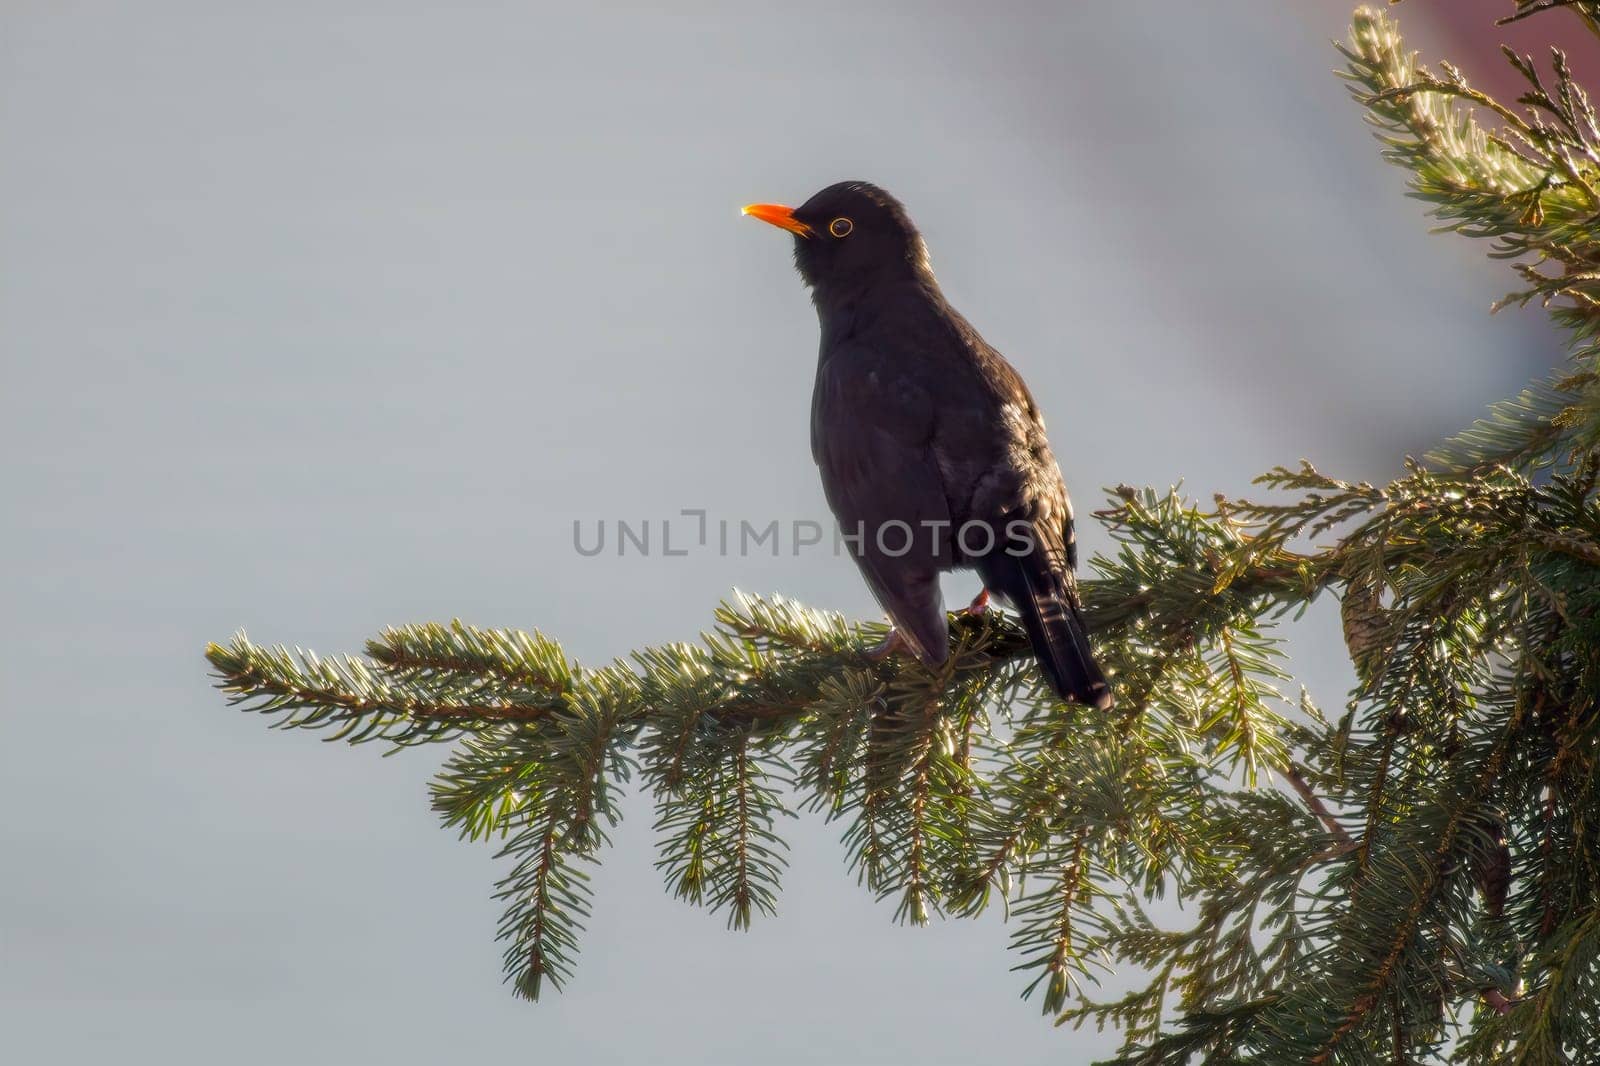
[{"x": 888, "y": 646}]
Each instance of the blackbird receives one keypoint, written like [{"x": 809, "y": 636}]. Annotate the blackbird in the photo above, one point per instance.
[{"x": 932, "y": 452}]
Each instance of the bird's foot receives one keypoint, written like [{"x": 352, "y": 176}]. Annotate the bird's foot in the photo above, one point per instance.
[
  {"x": 979, "y": 604},
  {"x": 888, "y": 646}
]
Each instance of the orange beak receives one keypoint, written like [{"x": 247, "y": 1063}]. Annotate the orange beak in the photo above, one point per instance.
[{"x": 777, "y": 215}]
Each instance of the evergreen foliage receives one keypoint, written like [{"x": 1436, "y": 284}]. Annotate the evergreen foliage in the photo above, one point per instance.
[{"x": 1416, "y": 878}]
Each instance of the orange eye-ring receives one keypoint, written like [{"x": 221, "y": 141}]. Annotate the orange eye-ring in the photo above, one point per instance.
[{"x": 841, "y": 227}]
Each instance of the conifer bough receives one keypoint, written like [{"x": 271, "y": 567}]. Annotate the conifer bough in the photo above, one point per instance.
[{"x": 1415, "y": 879}]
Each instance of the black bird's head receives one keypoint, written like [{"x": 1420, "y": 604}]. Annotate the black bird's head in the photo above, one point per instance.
[{"x": 850, "y": 237}]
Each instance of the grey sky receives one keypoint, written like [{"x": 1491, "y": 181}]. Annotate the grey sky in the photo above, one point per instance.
[{"x": 320, "y": 317}]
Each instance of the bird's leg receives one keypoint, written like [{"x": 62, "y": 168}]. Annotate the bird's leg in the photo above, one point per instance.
[
  {"x": 979, "y": 604},
  {"x": 888, "y": 646}
]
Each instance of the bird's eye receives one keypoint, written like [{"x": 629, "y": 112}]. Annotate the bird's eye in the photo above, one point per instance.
[{"x": 841, "y": 227}]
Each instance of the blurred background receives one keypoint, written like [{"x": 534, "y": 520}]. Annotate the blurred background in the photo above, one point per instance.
[{"x": 320, "y": 317}]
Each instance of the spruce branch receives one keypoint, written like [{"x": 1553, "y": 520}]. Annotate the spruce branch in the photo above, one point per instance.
[
  {"x": 1587, "y": 10},
  {"x": 943, "y": 810},
  {"x": 1529, "y": 187}
]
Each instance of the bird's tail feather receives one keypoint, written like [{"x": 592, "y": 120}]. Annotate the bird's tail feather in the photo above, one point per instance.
[{"x": 1057, "y": 632}]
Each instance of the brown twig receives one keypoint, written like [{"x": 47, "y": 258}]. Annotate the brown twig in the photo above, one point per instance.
[{"x": 1293, "y": 773}]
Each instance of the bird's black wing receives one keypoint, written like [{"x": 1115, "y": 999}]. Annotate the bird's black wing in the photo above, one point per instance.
[
  {"x": 1034, "y": 572},
  {"x": 871, "y": 431}
]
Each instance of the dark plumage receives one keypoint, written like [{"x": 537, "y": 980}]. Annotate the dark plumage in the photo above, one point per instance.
[{"x": 920, "y": 428}]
